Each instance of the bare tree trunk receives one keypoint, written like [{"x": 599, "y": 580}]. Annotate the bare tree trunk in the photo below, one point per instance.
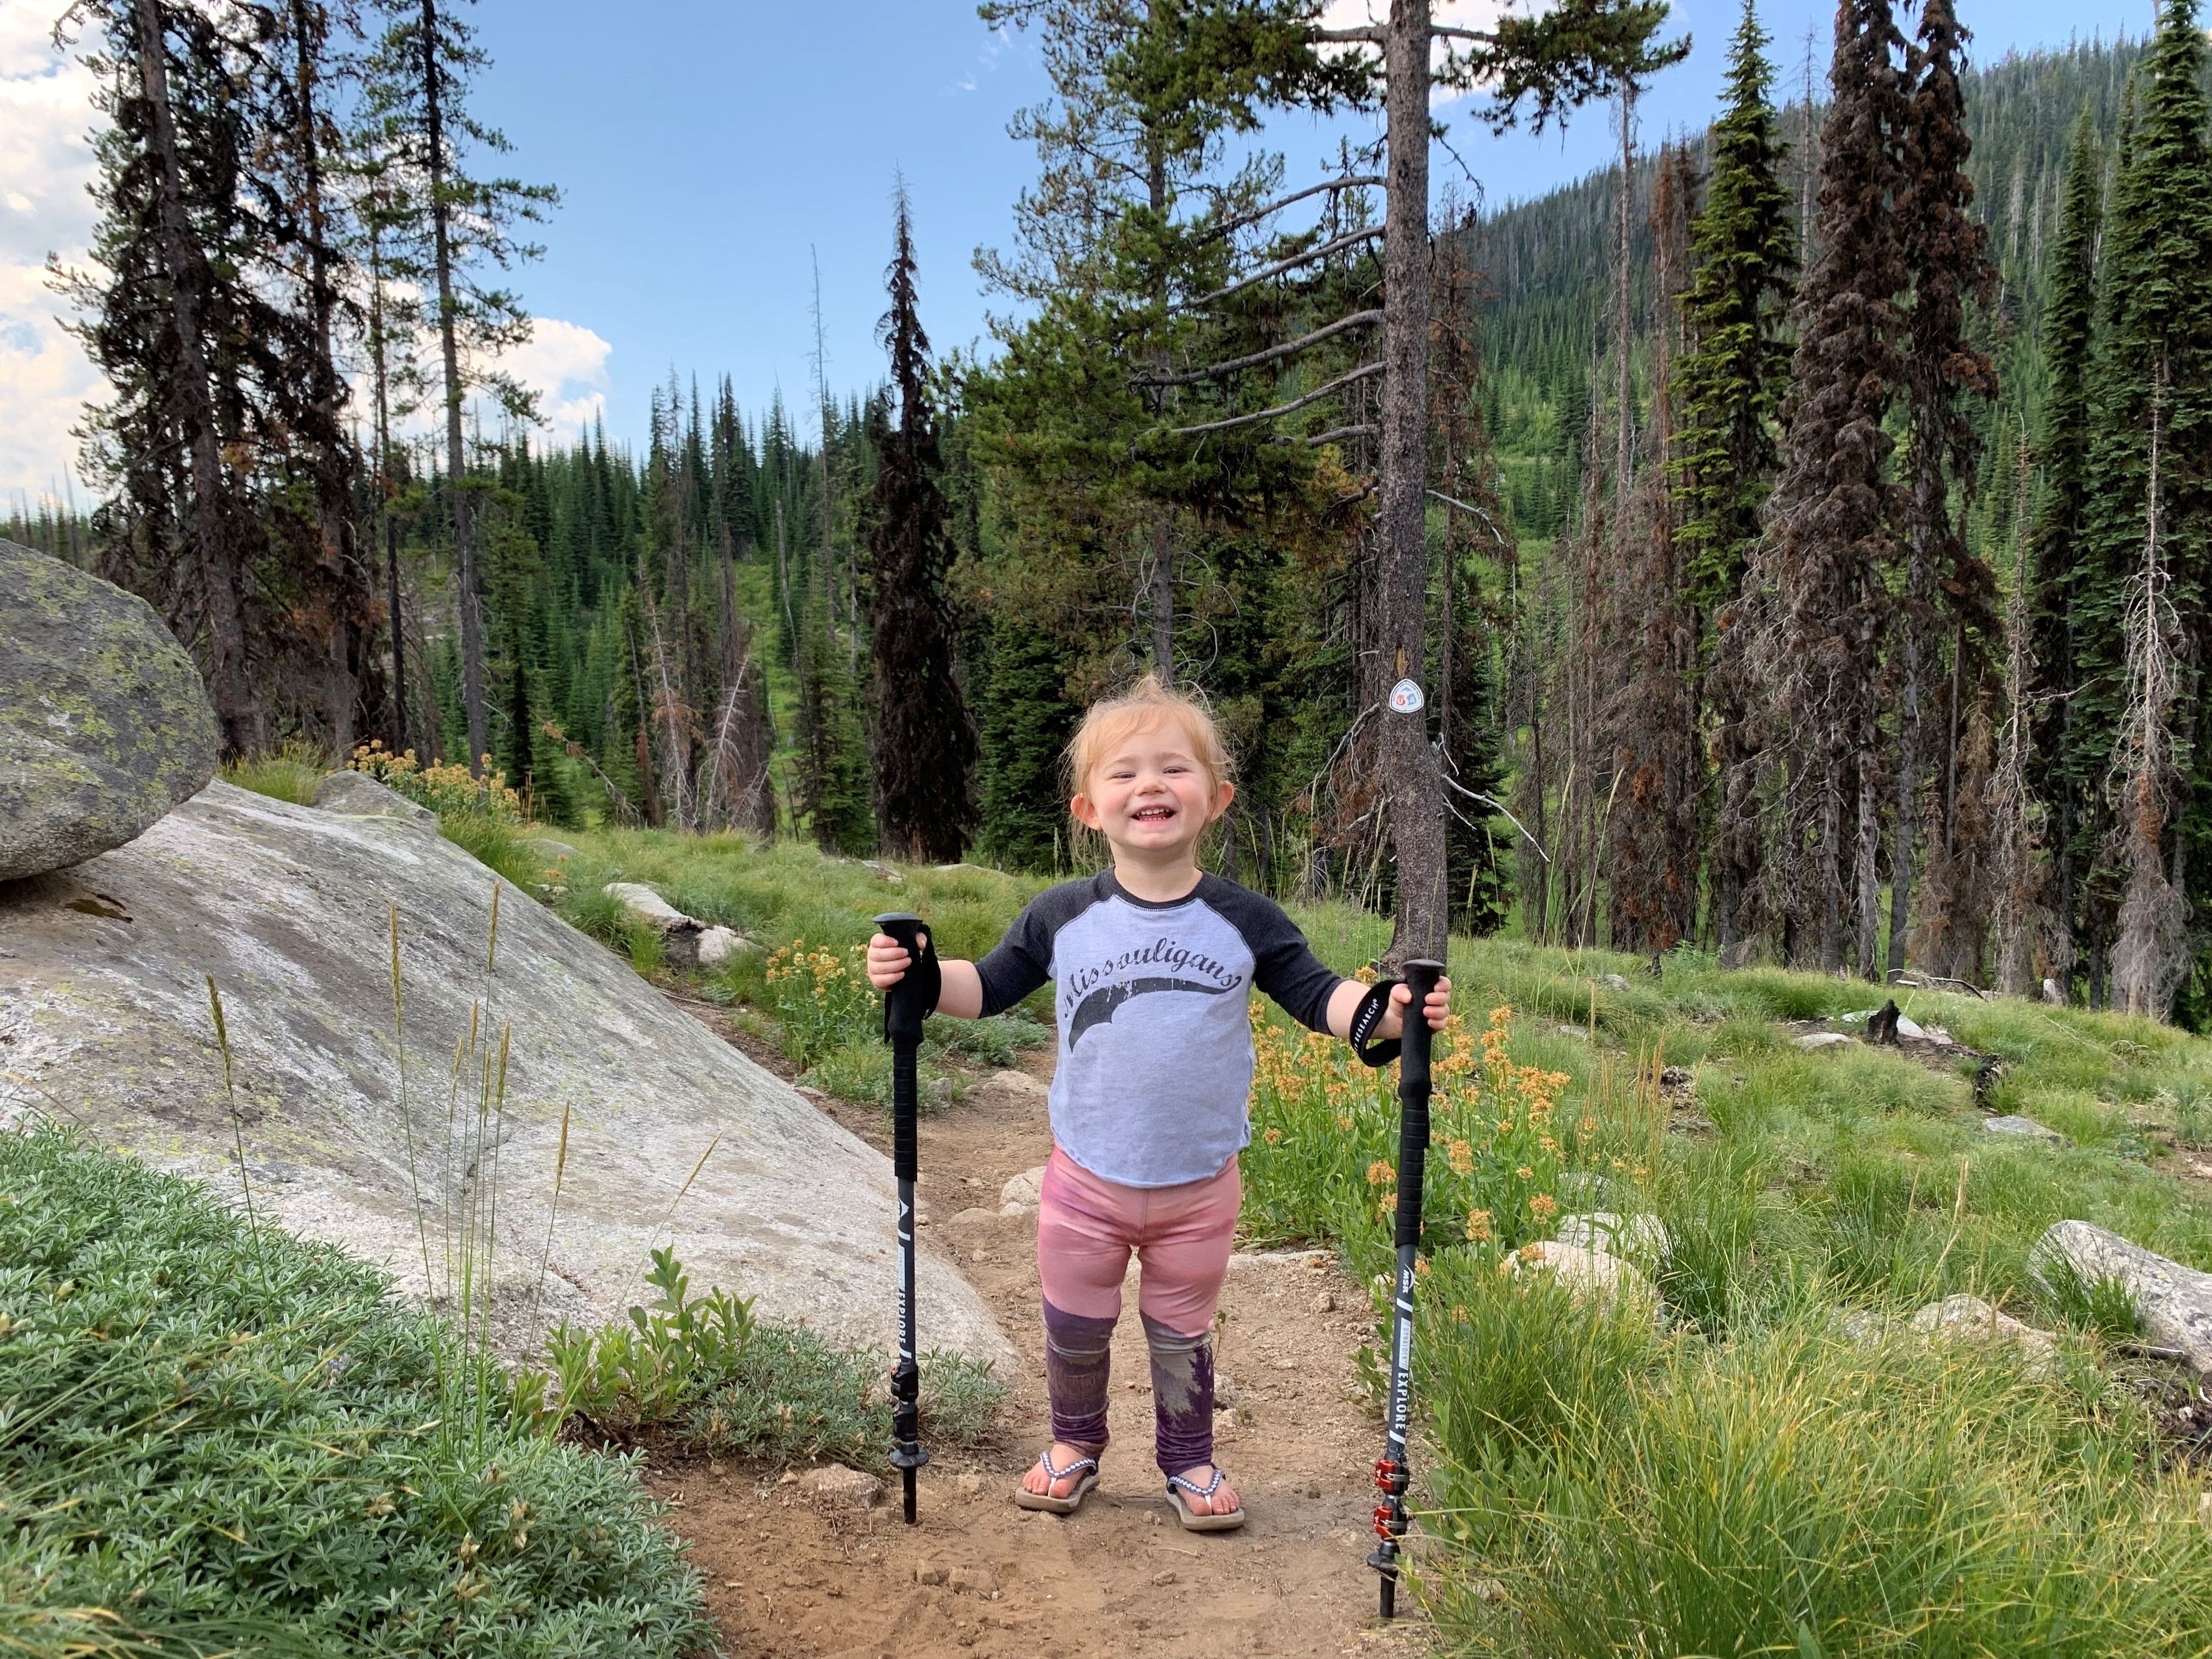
[
  {"x": 346, "y": 599},
  {"x": 1161, "y": 582},
  {"x": 1623, "y": 322},
  {"x": 1919, "y": 596},
  {"x": 228, "y": 678},
  {"x": 1415, "y": 787},
  {"x": 467, "y": 577},
  {"x": 387, "y": 532}
]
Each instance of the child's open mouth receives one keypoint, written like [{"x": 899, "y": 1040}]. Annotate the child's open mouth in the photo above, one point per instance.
[{"x": 1153, "y": 814}]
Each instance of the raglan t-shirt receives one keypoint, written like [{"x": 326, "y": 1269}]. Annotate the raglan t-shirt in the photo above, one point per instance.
[{"x": 1154, "y": 1003}]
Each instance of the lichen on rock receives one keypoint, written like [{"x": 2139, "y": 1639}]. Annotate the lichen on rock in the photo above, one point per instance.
[{"x": 104, "y": 723}]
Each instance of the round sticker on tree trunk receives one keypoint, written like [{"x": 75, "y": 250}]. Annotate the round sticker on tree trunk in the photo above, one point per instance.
[{"x": 1406, "y": 698}]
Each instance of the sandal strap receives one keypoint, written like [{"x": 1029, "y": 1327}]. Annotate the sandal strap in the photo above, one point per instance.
[
  {"x": 1074, "y": 1465},
  {"x": 1195, "y": 1489}
]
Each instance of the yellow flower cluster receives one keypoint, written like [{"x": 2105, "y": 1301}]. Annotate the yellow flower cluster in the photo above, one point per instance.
[
  {"x": 446, "y": 788},
  {"x": 1325, "y": 1129},
  {"x": 820, "y": 998}
]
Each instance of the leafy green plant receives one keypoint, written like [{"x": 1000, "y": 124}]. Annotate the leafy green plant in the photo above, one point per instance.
[
  {"x": 630, "y": 1376},
  {"x": 793, "y": 1395},
  {"x": 220, "y": 1438},
  {"x": 997, "y": 1041}
]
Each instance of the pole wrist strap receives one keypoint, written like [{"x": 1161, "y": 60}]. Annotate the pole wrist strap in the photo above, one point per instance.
[{"x": 1367, "y": 1016}]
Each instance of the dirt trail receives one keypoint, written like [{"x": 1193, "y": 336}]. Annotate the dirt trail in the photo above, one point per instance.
[{"x": 978, "y": 1576}]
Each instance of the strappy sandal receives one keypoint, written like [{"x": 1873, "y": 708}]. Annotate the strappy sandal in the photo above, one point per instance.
[
  {"x": 1192, "y": 1520},
  {"x": 1024, "y": 1498}
]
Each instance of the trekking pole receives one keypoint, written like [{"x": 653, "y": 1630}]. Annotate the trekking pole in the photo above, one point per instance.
[
  {"x": 1390, "y": 1473},
  {"x": 906, "y": 1005}
]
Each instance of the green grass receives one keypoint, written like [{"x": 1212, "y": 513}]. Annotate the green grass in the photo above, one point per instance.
[
  {"x": 291, "y": 774},
  {"x": 216, "y": 1440},
  {"x": 1742, "y": 1475}
]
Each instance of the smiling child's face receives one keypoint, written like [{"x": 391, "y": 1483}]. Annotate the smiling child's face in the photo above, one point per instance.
[{"x": 1149, "y": 793}]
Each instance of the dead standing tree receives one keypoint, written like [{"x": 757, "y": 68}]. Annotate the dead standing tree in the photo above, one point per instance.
[{"x": 1545, "y": 65}]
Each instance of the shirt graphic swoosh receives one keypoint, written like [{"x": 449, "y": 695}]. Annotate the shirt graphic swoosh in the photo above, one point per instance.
[{"x": 1098, "y": 1007}]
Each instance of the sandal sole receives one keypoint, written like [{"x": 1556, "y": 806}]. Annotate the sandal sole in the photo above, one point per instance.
[
  {"x": 1194, "y": 1521},
  {"x": 1046, "y": 1503}
]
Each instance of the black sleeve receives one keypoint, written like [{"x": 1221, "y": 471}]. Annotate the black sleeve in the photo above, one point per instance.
[
  {"x": 1282, "y": 964},
  {"x": 1022, "y": 961}
]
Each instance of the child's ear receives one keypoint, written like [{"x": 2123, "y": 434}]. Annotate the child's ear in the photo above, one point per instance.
[
  {"x": 1084, "y": 811},
  {"x": 1223, "y": 794}
]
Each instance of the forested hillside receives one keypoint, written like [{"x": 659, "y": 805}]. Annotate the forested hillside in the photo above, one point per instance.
[{"x": 1798, "y": 556}]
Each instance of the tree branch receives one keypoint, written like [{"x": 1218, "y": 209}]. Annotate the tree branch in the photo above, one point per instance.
[
  {"x": 1365, "y": 430},
  {"x": 1215, "y": 371},
  {"x": 1349, "y": 239},
  {"x": 1371, "y": 35},
  {"x": 1488, "y": 523},
  {"x": 1337, "y": 385},
  {"x": 1435, "y": 29},
  {"x": 1363, "y": 181}
]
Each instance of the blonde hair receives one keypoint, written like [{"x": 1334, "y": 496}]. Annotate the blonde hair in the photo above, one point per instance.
[{"x": 1147, "y": 704}]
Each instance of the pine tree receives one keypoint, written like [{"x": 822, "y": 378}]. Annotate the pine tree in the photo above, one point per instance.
[
  {"x": 1728, "y": 386},
  {"x": 2057, "y": 551},
  {"x": 1950, "y": 594},
  {"x": 2141, "y": 611},
  {"x": 463, "y": 231},
  {"x": 921, "y": 742},
  {"x": 1825, "y": 565}
]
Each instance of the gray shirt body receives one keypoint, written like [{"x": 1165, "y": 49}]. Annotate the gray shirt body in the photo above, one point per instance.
[{"x": 1154, "y": 1004}]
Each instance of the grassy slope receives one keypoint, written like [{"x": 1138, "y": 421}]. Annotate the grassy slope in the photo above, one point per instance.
[
  {"x": 1743, "y": 1476},
  {"x": 220, "y": 1442}
]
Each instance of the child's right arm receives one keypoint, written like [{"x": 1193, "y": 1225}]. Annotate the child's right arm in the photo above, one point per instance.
[{"x": 962, "y": 995}]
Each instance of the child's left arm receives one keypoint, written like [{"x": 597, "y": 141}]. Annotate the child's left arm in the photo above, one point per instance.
[{"x": 1344, "y": 1000}]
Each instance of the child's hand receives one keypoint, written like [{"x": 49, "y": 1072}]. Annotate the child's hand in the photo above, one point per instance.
[
  {"x": 888, "y": 962},
  {"x": 1437, "y": 1007}
]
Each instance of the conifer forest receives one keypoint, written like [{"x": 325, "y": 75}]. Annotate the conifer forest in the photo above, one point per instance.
[{"x": 1800, "y": 535}]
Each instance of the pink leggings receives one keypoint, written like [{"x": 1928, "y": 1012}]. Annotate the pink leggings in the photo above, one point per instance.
[{"x": 1086, "y": 1227}]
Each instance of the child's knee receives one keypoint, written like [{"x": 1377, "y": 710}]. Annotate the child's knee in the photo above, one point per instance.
[{"x": 1077, "y": 1336}]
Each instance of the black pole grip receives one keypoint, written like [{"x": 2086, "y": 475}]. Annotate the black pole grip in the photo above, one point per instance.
[
  {"x": 906, "y": 1006},
  {"x": 1421, "y": 976}
]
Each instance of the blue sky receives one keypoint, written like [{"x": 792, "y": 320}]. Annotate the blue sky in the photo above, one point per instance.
[
  {"x": 697, "y": 176},
  {"x": 708, "y": 153}
]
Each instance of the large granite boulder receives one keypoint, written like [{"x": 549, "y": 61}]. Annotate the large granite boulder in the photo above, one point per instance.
[
  {"x": 105, "y": 1022},
  {"x": 2173, "y": 1303},
  {"x": 104, "y": 724}
]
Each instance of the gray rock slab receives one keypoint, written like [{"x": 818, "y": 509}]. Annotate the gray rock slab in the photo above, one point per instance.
[
  {"x": 2024, "y": 1128},
  {"x": 104, "y": 724},
  {"x": 363, "y": 796},
  {"x": 2173, "y": 1303},
  {"x": 104, "y": 1022}
]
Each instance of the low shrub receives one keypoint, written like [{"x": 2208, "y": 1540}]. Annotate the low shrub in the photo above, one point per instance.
[
  {"x": 218, "y": 1439},
  {"x": 623, "y": 1376},
  {"x": 821, "y": 997},
  {"x": 793, "y": 1396}
]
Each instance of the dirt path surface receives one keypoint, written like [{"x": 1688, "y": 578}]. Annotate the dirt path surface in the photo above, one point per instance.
[{"x": 788, "y": 1576}]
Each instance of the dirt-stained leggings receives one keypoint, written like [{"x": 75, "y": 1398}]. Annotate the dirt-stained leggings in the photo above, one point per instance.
[{"x": 1086, "y": 1227}]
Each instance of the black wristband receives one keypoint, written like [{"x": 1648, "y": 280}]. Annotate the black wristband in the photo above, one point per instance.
[{"x": 1367, "y": 1016}]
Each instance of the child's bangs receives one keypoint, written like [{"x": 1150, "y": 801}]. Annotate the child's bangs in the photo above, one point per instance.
[{"x": 1110, "y": 724}]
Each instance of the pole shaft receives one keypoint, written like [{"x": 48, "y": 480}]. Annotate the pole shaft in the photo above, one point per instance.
[{"x": 1391, "y": 1476}]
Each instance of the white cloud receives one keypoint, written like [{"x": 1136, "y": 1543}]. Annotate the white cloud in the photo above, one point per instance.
[
  {"x": 46, "y": 118},
  {"x": 566, "y": 365},
  {"x": 46, "y": 127}
]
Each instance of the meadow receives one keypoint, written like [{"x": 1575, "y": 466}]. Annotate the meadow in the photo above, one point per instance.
[
  {"x": 1776, "y": 1462},
  {"x": 1767, "y": 1457}
]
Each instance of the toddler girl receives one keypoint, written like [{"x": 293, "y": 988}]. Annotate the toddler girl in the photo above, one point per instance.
[{"x": 1153, "y": 961}]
